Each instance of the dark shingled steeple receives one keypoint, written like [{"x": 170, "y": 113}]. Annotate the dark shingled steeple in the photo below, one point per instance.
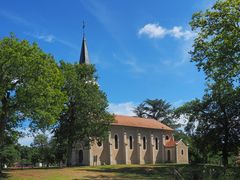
[{"x": 84, "y": 58}]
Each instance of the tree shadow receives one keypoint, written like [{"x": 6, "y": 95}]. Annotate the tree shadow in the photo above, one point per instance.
[
  {"x": 143, "y": 172},
  {"x": 4, "y": 175}
]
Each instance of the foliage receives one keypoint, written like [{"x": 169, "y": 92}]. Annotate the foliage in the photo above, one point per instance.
[
  {"x": 214, "y": 121},
  {"x": 217, "y": 45},
  {"x": 44, "y": 150},
  {"x": 8, "y": 155},
  {"x": 85, "y": 117},
  {"x": 157, "y": 109},
  {"x": 30, "y": 87},
  {"x": 25, "y": 154}
]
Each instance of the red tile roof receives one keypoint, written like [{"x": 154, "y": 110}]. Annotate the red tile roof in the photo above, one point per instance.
[
  {"x": 170, "y": 143},
  {"x": 121, "y": 120}
]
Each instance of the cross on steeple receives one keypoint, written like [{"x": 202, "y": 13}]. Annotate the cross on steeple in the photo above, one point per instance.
[{"x": 83, "y": 27}]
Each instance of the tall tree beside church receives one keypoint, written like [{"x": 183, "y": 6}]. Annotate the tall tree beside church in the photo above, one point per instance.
[
  {"x": 30, "y": 88},
  {"x": 216, "y": 51},
  {"x": 156, "y": 109},
  {"x": 85, "y": 117},
  {"x": 214, "y": 122}
]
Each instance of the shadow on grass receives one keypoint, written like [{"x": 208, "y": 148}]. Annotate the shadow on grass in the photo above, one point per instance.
[
  {"x": 136, "y": 172},
  {"x": 195, "y": 172},
  {"x": 4, "y": 175}
]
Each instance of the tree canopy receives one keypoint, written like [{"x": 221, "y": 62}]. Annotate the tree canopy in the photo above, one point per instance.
[
  {"x": 216, "y": 49},
  {"x": 157, "y": 109},
  {"x": 30, "y": 87},
  {"x": 214, "y": 120},
  {"x": 85, "y": 117}
]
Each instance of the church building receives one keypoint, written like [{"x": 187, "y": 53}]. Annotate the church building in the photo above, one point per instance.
[{"x": 131, "y": 140}]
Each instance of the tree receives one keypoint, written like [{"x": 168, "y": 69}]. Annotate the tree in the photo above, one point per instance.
[
  {"x": 214, "y": 122},
  {"x": 156, "y": 109},
  {"x": 30, "y": 88},
  {"x": 85, "y": 117},
  {"x": 25, "y": 154},
  {"x": 58, "y": 148},
  {"x": 8, "y": 155},
  {"x": 216, "y": 49},
  {"x": 44, "y": 150}
]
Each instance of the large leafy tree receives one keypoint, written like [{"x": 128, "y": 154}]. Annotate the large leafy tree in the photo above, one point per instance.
[
  {"x": 157, "y": 109},
  {"x": 30, "y": 88},
  {"x": 85, "y": 117},
  {"x": 216, "y": 51},
  {"x": 43, "y": 149},
  {"x": 9, "y": 154},
  {"x": 214, "y": 122}
]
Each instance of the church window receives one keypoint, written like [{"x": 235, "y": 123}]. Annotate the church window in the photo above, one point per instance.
[
  {"x": 130, "y": 142},
  {"x": 116, "y": 141},
  {"x": 99, "y": 143},
  {"x": 156, "y": 143},
  {"x": 144, "y": 142},
  {"x": 167, "y": 137},
  {"x": 182, "y": 151}
]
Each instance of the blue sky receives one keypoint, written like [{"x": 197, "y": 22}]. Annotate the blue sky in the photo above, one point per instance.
[{"x": 140, "y": 48}]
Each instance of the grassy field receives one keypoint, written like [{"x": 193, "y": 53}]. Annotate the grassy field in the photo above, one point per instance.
[{"x": 161, "y": 171}]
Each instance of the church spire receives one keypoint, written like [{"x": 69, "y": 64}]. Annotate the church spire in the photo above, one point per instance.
[{"x": 84, "y": 58}]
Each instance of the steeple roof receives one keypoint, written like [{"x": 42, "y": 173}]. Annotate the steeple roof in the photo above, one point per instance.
[{"x": 84, "y": 58}]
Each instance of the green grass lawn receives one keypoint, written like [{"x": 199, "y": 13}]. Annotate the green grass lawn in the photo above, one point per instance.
[{"x": 159, "y": 171}]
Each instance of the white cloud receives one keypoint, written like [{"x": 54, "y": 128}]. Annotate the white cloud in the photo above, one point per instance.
[
  {"x": 154, "y": 30},
  {"x": 178, "y": 32},
  {"x": 26, "y": 140},
  {"x": 45, "y": 37},
  {"x": 50, "y": 38},
  {"x": 122, "y": 108},
  {"x": 28, "y": 136}
]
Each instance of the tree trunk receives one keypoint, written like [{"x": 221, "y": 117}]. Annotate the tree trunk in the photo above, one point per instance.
[
  {"x": 0, "y": 167},
  {"x": 3, "y": 117},
  {"x": 226, "y": 137},
  {"x": 69, "y": 154},
  {"x": 225, "y": 157}
]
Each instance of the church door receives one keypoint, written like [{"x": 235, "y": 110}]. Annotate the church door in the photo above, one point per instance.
[
  {"x": 80, "y": 156},
  {"x": 168, "y": 155}
]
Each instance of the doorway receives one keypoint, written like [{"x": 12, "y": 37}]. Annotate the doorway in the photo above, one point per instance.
[
  {"x": 80, "y": 156},
  {"x": 169, "y": 155}
]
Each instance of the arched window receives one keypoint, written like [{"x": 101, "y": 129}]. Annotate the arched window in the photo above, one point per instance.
[
  {"x": 144, "y": 142},
  {"x": 167, "y": 137},
  {"x": 99, "y": 143},
  {"x": 130, "y": 142},
  {"x": 182, "y": 151},
  {"x": 116, "y": 141},
  {"x": 156, "y": 143}
]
